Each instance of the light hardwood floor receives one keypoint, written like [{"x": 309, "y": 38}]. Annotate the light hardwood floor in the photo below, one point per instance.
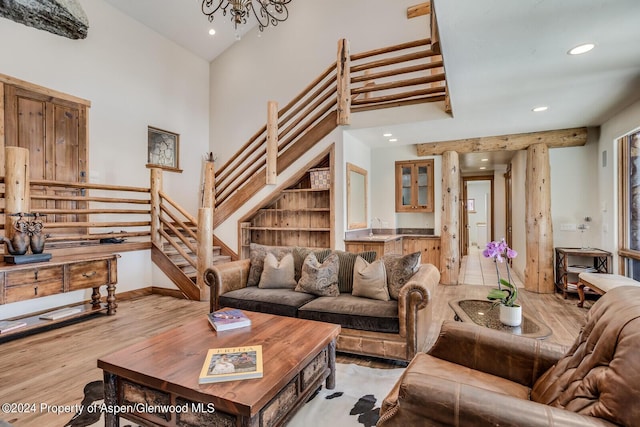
[{"x": 52, "y": 367}]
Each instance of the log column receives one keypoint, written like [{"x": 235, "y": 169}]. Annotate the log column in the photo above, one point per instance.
[
  {"x": 538, "y": 273},
  {"x": 16, "y": 182},
  {"x": 205, "y": 249},
  {"x": 449, "y": 242}
]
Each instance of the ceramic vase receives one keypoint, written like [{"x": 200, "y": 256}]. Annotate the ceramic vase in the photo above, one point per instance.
[{"x": 511, "y": 316}]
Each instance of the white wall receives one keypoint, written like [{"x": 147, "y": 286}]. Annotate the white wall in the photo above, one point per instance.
[
  {"x": 574, "y": 194},
  {"x": 626, "y": 121},
  {"x": 282, "y": 62},
  {"x": 134, "y": 78},
  {"x": 383, "y": 189}
]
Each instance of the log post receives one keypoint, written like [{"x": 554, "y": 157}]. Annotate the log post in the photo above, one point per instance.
[
  {"x": 209, "y": 188},
  {"x": 16, "y": 184},
  {"x": 344, "y": 83},
  {"x": 2, "y": 134},
  {"x": 435, "y": 36},
  {"x": 205, "y": 249},
  {"x": 538, "y": 273},
  {"x": 156, "y": 188},
  {"x": 449, "y": 241},
  {"x": 272, "y": 142}
]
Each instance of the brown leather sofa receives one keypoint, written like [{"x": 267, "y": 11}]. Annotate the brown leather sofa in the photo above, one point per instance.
[
  {"x": 474, "y": 376},
  {"x": 411, "y": 313}
]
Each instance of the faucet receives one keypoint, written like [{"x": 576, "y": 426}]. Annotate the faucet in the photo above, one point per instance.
[{"x": 379, "y": 223}]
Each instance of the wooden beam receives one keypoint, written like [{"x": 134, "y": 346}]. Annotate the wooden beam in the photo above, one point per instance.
[
  {"x": 419, "y": 10},
  {"x": 553, "y": 139}
]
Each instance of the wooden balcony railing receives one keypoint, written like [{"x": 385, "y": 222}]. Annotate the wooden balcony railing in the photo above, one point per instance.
[{"x": 404, "y": 74}]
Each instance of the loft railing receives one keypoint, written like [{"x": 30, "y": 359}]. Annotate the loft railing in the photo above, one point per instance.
[{"x": 403, "y": 74}]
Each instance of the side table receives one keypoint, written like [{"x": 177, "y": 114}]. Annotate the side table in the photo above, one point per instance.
[{"x": 481, "y": 313}]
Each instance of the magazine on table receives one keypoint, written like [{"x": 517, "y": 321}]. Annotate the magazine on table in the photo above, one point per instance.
[
  {"x": 228, "y": 318},
  {"x": 232, "y": 363},
  {"x": 10, "y": 325}
]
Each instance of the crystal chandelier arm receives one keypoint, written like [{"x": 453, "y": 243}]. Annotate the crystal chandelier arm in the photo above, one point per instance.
[{"x": 271, "y": 12}]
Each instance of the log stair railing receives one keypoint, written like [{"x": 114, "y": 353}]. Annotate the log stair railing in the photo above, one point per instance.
[{"x": 395, "y": 76}]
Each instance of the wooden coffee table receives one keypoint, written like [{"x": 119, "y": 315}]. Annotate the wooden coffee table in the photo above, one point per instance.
[{"x": 155, "y": 382}]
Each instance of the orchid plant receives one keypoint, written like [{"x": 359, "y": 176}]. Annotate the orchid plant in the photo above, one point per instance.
[{"x": 499, "y": 251}]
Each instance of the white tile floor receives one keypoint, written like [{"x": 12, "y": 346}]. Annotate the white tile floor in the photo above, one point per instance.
[{"x": 478, "y": 270}]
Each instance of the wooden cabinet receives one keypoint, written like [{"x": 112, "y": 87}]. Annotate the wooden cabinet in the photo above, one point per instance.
[
  {"x": 570, "y": 262},
  {"x": 61, "y": 274},
  {"x": 429, "y": 247},
  {"x": 382, "y": 248},
  {"x": 414, "y": 186}
]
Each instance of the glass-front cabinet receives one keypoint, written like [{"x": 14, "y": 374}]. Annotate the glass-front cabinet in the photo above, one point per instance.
[{"x": 414, "y": 186}]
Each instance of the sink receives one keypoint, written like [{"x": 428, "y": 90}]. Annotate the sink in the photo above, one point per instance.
[{"x": 380, "y": 236}]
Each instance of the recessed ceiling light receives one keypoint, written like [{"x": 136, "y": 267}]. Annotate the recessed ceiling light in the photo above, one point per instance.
[
  {"x": 540, "y": 109},
  {"x": 583, "y": 48},
  {"x": 484, "y": 160},
  {"x": 212, "y": 32},
  {"x": 393, "y": 140},
  {"x": 387, "y": 135},
  {"x": 482, "y": 168}
]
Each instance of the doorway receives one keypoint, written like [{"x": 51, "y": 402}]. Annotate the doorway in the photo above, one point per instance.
[{"x": 478, "y": 223}]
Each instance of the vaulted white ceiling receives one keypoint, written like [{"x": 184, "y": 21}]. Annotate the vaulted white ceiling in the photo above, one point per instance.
[{"x": 502, "y": 59}]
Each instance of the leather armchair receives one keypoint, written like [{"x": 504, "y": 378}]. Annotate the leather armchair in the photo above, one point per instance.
[{"x": 475, "y": 376}]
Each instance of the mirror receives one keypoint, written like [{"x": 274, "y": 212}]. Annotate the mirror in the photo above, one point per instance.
[{"x": 356, "y": 197}]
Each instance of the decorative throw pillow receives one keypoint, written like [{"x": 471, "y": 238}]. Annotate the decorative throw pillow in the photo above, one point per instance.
[
  {"x": 400, "y": 268},
  {"x": 370, "y": 280},
  {"x": 319, "y": 279},
  {"x": 257, "y": 254},
  {"x": 345, "y": 273},
  {"x": 300, "y": 254},
  {"x": 277, "y": 274}
]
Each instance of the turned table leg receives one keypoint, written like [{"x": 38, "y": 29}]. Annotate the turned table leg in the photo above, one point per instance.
[{"x": 111, "y": 299}]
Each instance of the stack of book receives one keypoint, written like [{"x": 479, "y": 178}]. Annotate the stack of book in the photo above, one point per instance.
[
  {"x": 228, "y": 318},
  {"x": 234, "y": 363}
]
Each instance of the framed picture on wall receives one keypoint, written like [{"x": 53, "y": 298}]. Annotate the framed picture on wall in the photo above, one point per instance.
[
  {"x": 471, "y": 205},
  {"x": 163, "y": 149}
]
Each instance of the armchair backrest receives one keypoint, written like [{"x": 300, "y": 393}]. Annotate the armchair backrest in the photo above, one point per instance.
[{"x": 600, "y": 375}]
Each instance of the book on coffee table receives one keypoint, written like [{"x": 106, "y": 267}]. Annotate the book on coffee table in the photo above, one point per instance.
[
  {"x": 10, "y": 325},
  {"x": 233, "y": 363},
  {"x": 228, "y": 318}
]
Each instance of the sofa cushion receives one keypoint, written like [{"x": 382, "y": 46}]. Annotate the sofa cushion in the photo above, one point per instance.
[
  {"x": 257, "y": 254},
  {"x": 277, "y": 274},
  {"x": 300, "y": 254},
  {"x": 354, "y": 313},
  {"x": 281, "y": 302},
  {"x": 370, "y": 280},
  {"x": 345, "y": 272},
  {"x": 400, "y": 268},
  {"x": 319, "y": 279}
]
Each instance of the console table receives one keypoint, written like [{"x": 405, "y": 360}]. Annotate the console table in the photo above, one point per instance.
[
  {"x": 599, "y": 261},
  {"x": 59, "y": 275}
]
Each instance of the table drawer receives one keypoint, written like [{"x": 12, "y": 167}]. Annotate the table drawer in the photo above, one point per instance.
[
  {"x": 33, "y": 290},
  {"x": 34, "y": 276},
  {"x": 88, "y": 274}
]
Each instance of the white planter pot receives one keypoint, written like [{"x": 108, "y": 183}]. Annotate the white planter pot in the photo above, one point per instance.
[{"x": 511, "y": 316}]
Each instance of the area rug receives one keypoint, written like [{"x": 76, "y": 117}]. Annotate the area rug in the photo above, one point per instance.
[{"x": 355, "y": 401}]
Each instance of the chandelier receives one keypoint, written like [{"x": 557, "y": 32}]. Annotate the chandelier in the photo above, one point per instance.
[{"x": 266, "y": 12}]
